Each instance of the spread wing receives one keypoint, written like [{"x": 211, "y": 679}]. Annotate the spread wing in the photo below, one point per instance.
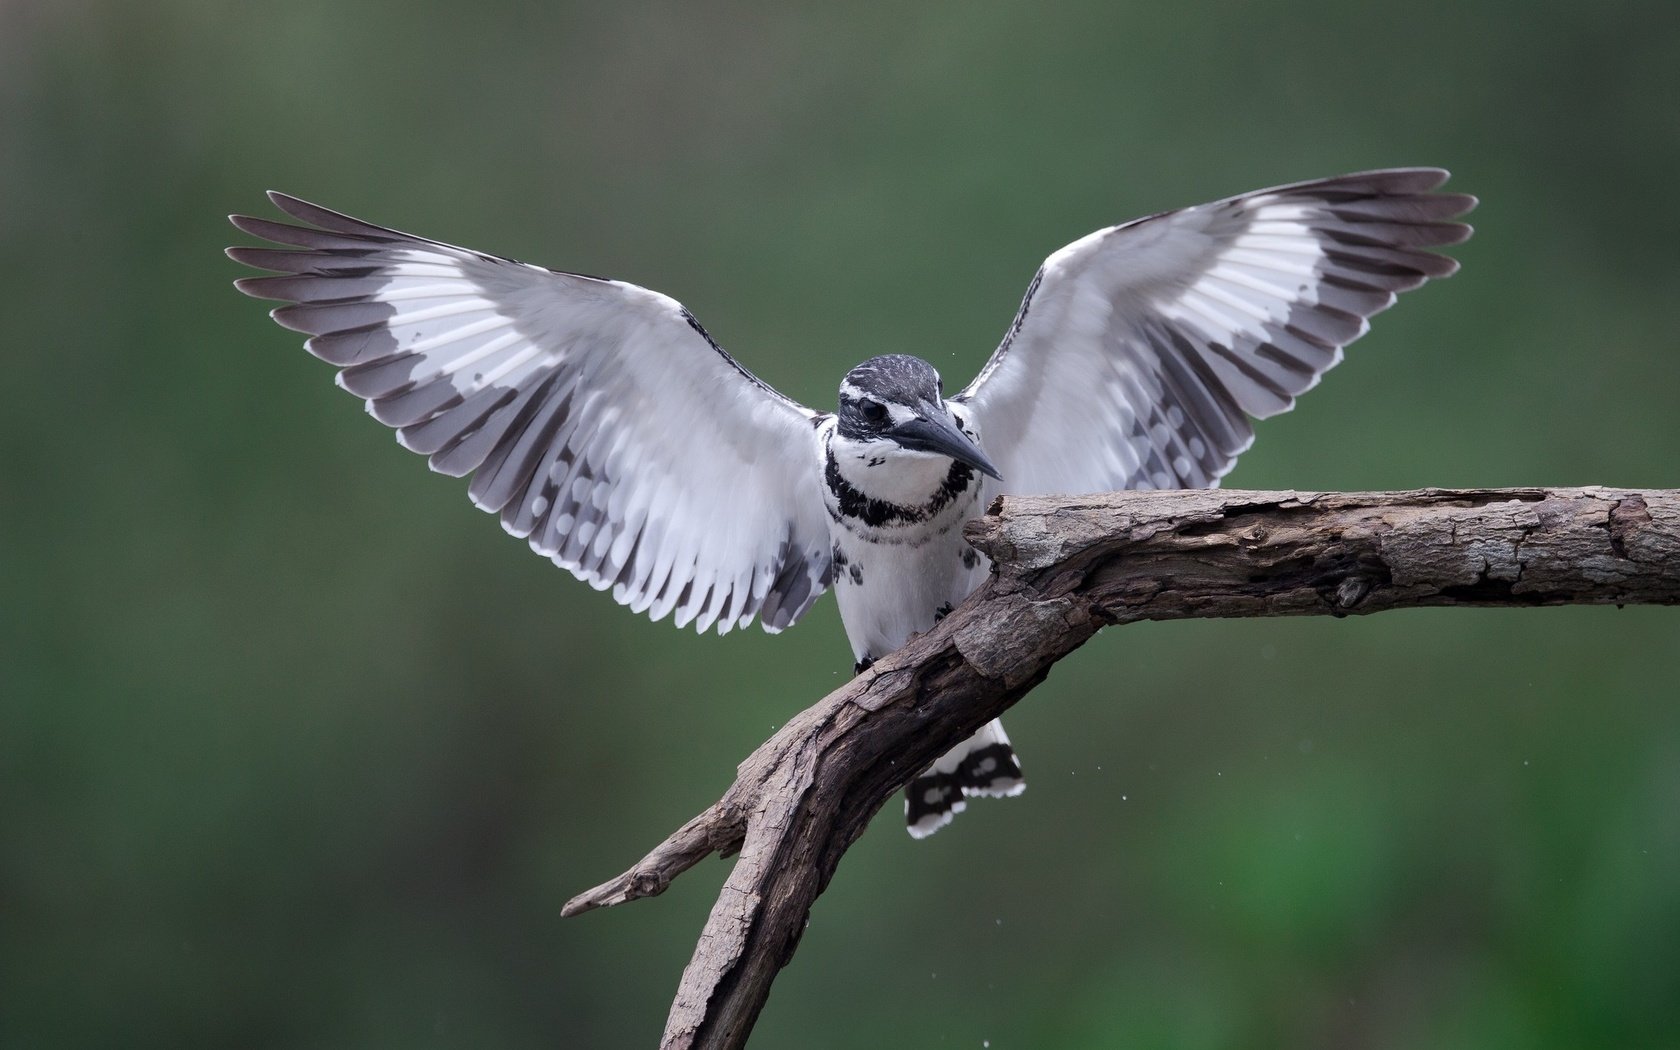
[
  {"x": 1142, "y": 351},
  {"x": 598, "y": 419}
]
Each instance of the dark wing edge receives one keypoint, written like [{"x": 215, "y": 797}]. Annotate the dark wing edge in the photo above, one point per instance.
[
  {"x": 1226, "y": 312},
  {"x": 564, "y": 395}
]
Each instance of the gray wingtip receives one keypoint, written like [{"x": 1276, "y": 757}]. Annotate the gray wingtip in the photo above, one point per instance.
[
  {"x": 241, "y": 283},
  {"x": 249, "y": 224}
]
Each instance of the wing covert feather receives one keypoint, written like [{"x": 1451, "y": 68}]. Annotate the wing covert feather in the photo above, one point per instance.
[
  {"x": 1142, "y": 352},
  {"x": 599, "y": 420}
]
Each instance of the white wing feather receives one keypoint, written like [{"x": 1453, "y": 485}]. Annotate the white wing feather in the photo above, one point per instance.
[
  {"x": 1141, "y": 351},
  {"x": 599, "y": 420}
]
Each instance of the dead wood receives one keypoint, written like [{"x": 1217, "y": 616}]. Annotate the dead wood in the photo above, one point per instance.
[{"x": 1064, "y": 568}]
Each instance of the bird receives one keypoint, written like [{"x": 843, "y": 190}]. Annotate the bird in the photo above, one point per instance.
[{"x": 606, "y": 427}]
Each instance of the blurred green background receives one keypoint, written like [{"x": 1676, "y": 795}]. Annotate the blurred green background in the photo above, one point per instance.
[{"x": 299, "y": 750}]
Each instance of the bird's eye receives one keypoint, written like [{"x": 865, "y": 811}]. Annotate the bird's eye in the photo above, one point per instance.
[{"x": 873, "y": 411}]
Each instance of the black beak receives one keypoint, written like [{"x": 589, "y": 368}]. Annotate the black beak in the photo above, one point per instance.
[{"x": 933, "y": 431}]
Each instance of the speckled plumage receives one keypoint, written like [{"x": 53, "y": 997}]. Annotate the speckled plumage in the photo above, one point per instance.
[{"x": 604, "y": 425}]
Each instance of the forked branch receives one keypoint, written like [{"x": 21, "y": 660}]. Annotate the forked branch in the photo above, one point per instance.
[{"x": 1064, "y": 569}]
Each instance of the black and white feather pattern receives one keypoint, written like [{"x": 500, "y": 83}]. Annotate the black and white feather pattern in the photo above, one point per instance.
[
  {"x": 1141, "y": 352},
  {"x": 598, "y": 419}
]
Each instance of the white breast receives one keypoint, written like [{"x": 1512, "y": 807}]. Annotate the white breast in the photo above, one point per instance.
[
  {"x": 889, "y": 592},
  {"x": 896, "y": 575}
]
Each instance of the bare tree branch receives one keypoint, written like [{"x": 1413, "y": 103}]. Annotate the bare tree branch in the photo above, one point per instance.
[{"x": 1064, "y": 569}]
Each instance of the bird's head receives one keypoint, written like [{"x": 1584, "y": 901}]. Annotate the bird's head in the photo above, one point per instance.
[{"x": 894, "y": 403}]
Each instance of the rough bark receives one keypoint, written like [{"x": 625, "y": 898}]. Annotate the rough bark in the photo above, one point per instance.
[{"x": 1063, "y": 569}]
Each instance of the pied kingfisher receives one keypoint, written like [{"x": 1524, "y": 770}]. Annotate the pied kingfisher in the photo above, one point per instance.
[{"x": 604, "y": 425}]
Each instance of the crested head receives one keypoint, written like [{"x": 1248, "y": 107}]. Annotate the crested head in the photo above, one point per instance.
[
  {"x": 892, "y": 409},
  {"x": 884, "y": 391}
]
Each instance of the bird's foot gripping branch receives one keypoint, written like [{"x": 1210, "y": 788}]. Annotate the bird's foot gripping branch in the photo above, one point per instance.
[{"x": 1066, "y": 567}]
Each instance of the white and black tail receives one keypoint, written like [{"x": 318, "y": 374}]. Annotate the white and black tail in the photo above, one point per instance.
[{"x": 984, "y": 764}]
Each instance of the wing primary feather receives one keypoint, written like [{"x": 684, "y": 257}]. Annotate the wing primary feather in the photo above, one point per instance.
[
  {"x": 347, "y": 263},
  {"x": 1169, "y": 332},
  {"x": 599, "y": 420},
  {"x": 338, "y": 222}
]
